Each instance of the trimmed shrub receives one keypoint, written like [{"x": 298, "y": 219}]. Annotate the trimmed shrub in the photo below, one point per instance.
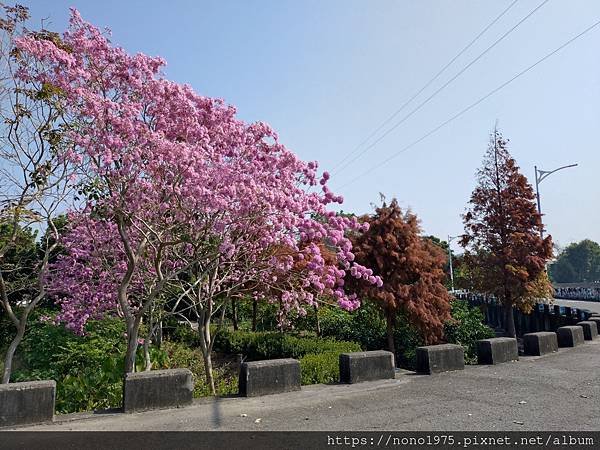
[
  {"x": 365, "y": 325},
  {"x": 466, "y": 327},
  {"x": 273, "y": 345},
  {"x": 320, "y": 368}
]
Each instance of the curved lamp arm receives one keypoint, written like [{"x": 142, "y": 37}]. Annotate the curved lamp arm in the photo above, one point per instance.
[{"x": 540, "y": 175}]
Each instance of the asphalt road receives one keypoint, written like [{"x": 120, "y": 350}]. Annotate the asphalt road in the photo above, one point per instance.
[
  {"x": 560, "y": 391},
  {"x": 592, "y": 306}
]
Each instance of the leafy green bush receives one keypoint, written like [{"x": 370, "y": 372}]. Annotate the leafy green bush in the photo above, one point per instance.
[
  {"x": 186, "y": 335},
  {"x": 92, "y": 387},
  {"x": 365, "y": 325},
  {"x": 89, "y": 369},
  {"x": 225, "y": 374},
  {"x": 466, "y": 327},
  {"x": 7, "y": 331},
  {"x": 272, "y": 345},
  {"x": 57, "y": 351},
  {"x": 406, "y": 341},
  {"x": 320, "y": 368},
  {"x": 266, "y": 317}
]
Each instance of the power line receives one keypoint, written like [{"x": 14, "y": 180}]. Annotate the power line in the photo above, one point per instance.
[
  {"x": 473, "y": 105},
  {"x": 426, "y": 85},
  {"x": 428, "y": 99}
]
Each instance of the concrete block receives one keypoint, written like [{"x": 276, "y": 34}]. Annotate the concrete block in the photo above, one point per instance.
[
  {"x": 27, "y": 403},
  {"x": 271, "y": 376},
  {"x": 440, "y": 358},
  {"x": 156, "y": 389},
  {"x": 497, "y": 350},
  {"x": 597, "y": 320},
  {"x": 570, "y": 336},
  {"x": 540, "y": 343},
  {"x": 366, "y": 366},
  {"x": 590, "y": 329}
]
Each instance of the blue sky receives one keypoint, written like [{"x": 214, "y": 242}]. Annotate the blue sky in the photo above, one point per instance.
[{"x": 325, "y": 74}]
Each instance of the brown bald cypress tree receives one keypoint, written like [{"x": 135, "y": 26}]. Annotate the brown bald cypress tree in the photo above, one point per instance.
[
  {"x": 502, "y": 234},
  {"x": 412, "y": 270}
]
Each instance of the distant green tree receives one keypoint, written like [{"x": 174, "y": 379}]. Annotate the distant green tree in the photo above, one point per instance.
[
  {"x": 578, "y": 263},
  {"x": 439, "y": 242},
  {"x": 19, "y": 262}
]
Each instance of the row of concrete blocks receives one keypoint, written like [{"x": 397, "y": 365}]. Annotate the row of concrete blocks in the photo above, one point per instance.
[
  {"x": 543, "y": 342},
  {"x": 33, "y": 402}
]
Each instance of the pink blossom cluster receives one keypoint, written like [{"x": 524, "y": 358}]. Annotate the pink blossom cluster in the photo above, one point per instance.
[{"x": 180, "y": 168}]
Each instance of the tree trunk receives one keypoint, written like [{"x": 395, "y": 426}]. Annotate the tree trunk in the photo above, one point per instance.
[
  {"x": 509, "y": 320},
  {"x": 390, "y": 331},
  {"x": 159, "y": 334},
  {"x": 254, "y": 314},
  {"x": 234, "y": 317},
  {"x": 206, "y": 347},
  {"x": 209, "y": 373},
  {"x": 318, "y": 324},
  {"x": 10, "y": 353},
  {"x": 133, "y": 329},
  {"x": 147, "y": 360}
]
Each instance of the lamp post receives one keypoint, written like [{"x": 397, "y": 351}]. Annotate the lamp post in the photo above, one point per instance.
[
  {"x": 541, "y": 175},
  {"x": 450, "y": 261}
]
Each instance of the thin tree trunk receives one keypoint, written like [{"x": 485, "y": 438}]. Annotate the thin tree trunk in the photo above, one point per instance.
[
  {"x": 390, "y": 331},
  {"x": 254, "y": 314},
  {"x": 147, "y": 360},
  {"x": 20, "y": 323},
  {"x": 318, "y": 324},
  {"x": 234, "y": 316},
  {"x": 159, "y": 335},
  {"x": 209, "y": 373},
  {"x": 10, "y": 353},
  {"x": 147, "y": 340},
  {"x": 206, "y": 347},
  {"x": 133, "y": 328},
  {"x": 509, "y": 320}
]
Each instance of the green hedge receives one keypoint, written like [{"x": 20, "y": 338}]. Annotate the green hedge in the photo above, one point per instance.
[
  {"x": 367, "y": 327},
  {"x": 273, "y": 345},
  {"x": 320, "y": 368},
  {"x": 319, "y": 357}
]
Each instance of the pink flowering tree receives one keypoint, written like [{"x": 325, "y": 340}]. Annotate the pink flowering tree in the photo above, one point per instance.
[{"x": 182, "y": 197}]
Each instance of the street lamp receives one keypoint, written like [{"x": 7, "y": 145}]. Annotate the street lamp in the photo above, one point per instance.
[
  {"x": 450, "y": 261},
  {"x": 541, "y": 175}
]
